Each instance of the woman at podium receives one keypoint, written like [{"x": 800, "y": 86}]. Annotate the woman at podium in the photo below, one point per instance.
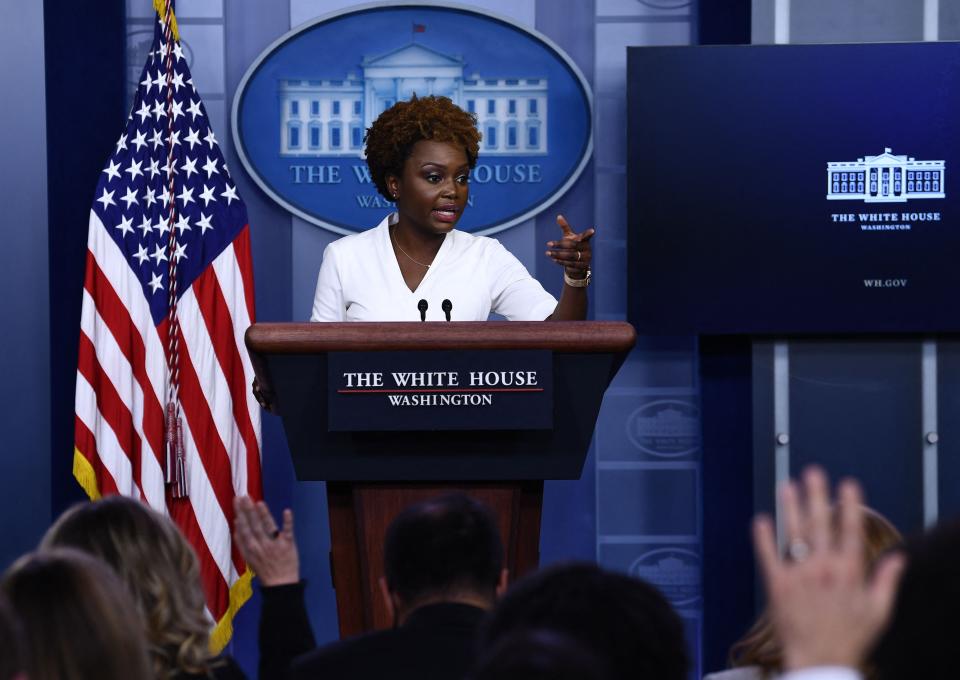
[{"x": 415, "y": 265}]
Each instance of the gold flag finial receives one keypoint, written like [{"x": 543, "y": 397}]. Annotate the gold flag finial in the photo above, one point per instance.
[{"x": 161, "y": 7}]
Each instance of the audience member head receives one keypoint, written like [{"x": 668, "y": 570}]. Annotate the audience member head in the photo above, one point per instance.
[
  {"x": 391, "y": 138},
  {"x": 78, "y": 621},
  {"x": 919, "y": 642},
  {"x": 11, "y": 642},
  {"x": 621, "y": 619},
  {"x": 540, "y": 654},
  {"x": 158, "y": 567},
  {"x": 444, "y": 549},
  {"x": 760, "y": 647}
]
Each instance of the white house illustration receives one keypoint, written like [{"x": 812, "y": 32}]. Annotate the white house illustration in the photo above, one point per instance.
[
  {"x": 885, "y": 179},
  {"x": 678, "y": 577},
  {"x": 669, "y": 571},
  {"x": 670, "y": 422},
  {"x": 329, "y": 117}
]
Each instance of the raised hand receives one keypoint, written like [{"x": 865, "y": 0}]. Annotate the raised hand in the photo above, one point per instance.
[
  {"x": 573, "y": 250},
  {"x": 825, "y": 609},
  {"x": 269, "y": 551}
]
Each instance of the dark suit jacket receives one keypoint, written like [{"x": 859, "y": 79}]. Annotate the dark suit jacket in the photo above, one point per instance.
[
  {"x": 285, "y": 631},
  {"x": 436, "y": 642}
]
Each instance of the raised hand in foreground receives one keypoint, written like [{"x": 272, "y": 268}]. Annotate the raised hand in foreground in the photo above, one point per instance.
[
  {"x": 825, "y": 608},
  {"x": 269, "y": 551}
]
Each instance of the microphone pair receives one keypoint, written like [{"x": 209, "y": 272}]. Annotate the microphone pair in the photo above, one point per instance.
[{"x": 446, "y": 306}]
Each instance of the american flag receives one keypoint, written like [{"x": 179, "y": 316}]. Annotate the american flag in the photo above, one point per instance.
[{"x": 123, "y": 375}]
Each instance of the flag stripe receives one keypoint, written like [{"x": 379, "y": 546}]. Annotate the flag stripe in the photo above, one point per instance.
[
  {"x": 234, "y": 275},
  {"x": 211, "y": 575},
  {"x": 220, "y": 328},
  {"x": 109, "y": 360},
  {"x": 113, "y": 413},
  {"x": 206, "y": 424},
  {"x": 86, "y": 445},
  {"x": 214, "y": 524},
  {"x": 244, "y": 260},
  {"x": 117, "y": 274},
  {"x": 108, "y": 448},
  {"x": 126, "y": 338}
]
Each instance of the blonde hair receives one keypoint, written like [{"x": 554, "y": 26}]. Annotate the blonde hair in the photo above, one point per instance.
[
  {"x": 158, "y": 567},
  {"x": 760, "y": 646},
  {"x": 78, "y": 621}
]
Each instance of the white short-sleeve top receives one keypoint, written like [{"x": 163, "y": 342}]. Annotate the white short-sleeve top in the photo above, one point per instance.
[{"x": 360, "y": 280}]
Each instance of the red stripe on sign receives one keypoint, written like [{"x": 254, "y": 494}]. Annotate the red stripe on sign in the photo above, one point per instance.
[{"x": 442, "y": 390}]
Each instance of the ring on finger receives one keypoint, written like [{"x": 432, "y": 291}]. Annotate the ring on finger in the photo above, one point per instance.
[
  {"x": 579, "y": 256},
  {"x": 798, "y": 550}
]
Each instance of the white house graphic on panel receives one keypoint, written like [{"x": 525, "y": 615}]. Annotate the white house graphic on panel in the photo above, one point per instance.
[
  {"x": 329, "y": 117},
  {"x": 885, "y": 179},
  {"x": 670, "y": 422}
]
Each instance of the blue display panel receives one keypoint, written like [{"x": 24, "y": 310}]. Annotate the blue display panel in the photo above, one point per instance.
[{"x": 793, "y": 188}]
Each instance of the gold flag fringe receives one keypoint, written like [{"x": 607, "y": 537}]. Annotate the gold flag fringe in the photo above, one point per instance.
[
  {"x": 240, "y": 592},
  {"x": 84, "y": 474}
]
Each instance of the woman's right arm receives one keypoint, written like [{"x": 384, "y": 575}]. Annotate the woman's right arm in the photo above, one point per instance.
[{"x": 328, "y": 298}]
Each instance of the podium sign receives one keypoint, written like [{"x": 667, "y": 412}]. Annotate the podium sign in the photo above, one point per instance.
[
  {"x": 372, "y": 473},
  {"x": 440, "y": 390},
  {"x": 293, "y": 365}
]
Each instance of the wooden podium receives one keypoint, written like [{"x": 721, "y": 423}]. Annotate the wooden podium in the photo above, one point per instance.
[{"x": 372, "y": 475}]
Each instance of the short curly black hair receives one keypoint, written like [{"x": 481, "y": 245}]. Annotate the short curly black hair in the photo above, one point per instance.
[{"x": 390, "y": 139}]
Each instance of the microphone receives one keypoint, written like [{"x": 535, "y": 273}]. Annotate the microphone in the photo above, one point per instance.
[
  {"x": 447, "y": 307},
  {"x": 422, "y": 306}
]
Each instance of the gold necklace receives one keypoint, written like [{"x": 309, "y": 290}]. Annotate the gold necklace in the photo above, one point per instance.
[{"x": 394, "y": 241}]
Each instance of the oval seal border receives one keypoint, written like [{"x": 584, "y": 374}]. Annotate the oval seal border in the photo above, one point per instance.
[
  {"x": 683, "y": 595},
  {"x": 529, "y": 212},
  {"x": 686, "y": 405}
]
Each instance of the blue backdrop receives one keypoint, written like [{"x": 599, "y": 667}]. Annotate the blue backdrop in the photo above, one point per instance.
[{"x": 639, "y": 504}]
